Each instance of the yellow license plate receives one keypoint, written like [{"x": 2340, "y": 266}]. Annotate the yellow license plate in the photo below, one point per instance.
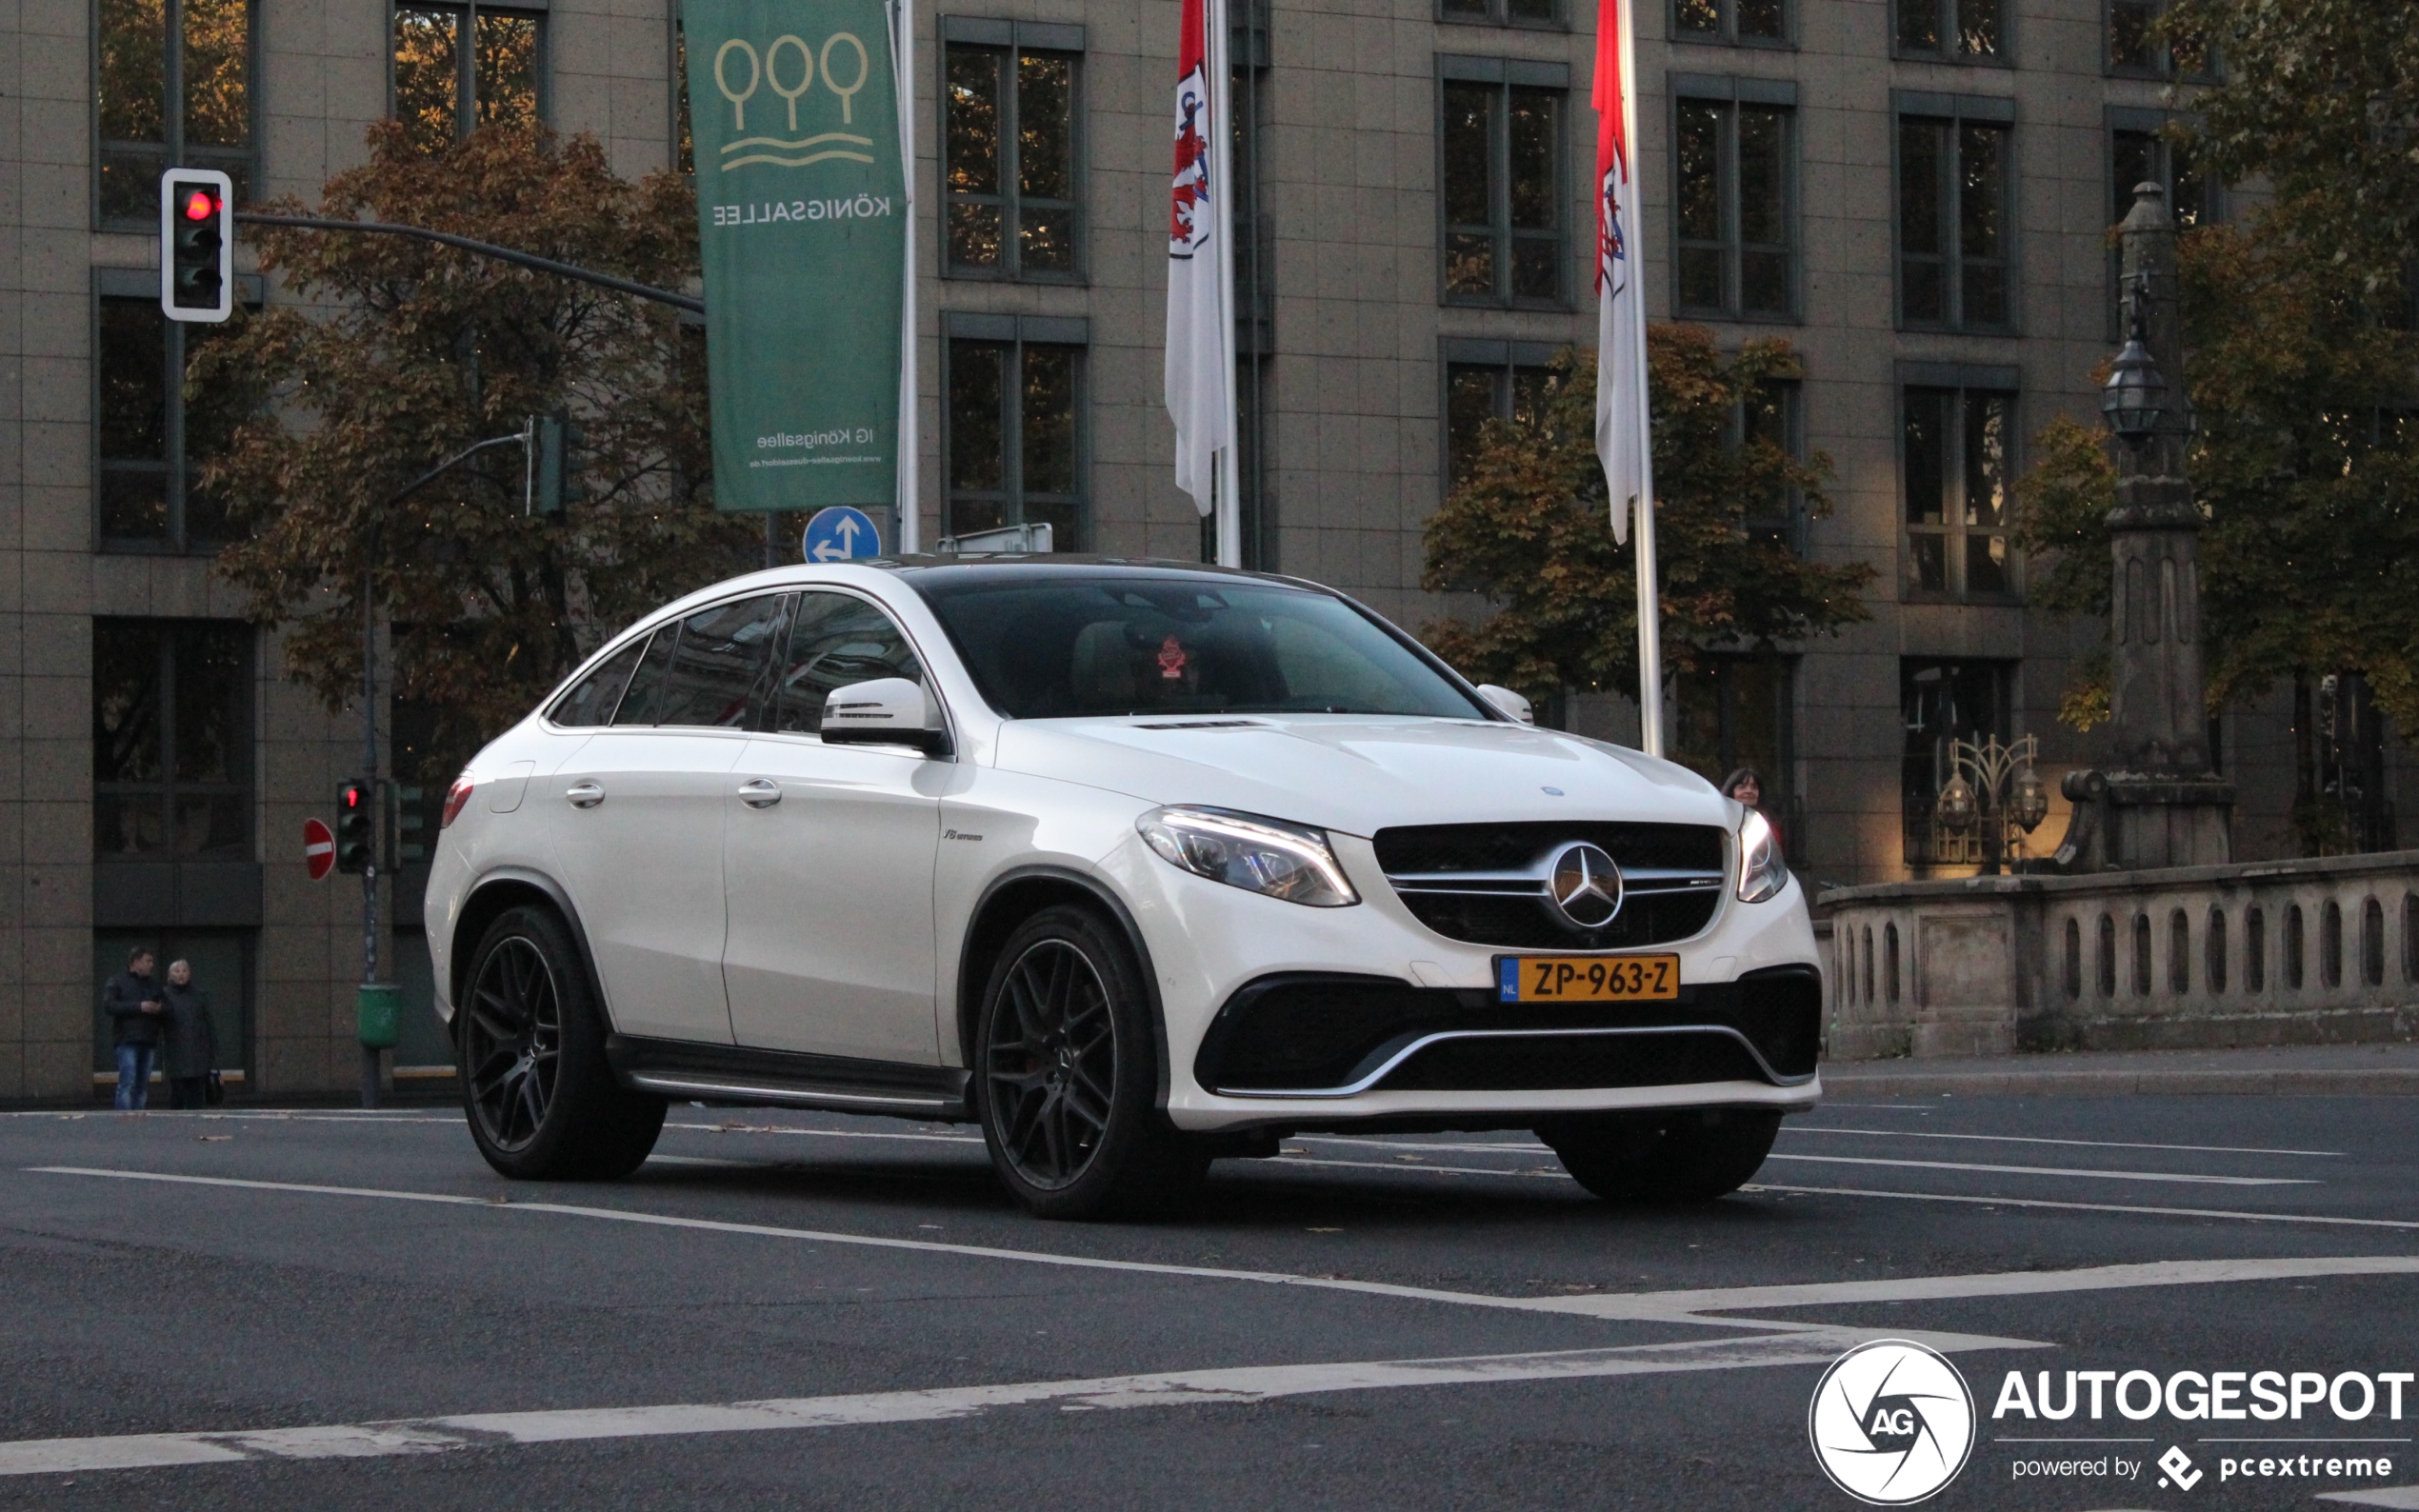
[{"x": 1586, "y": 979}]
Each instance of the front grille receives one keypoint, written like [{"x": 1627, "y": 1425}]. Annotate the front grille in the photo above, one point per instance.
[
  {"x": 1486, "y": 884},
  {"x": 1306, "y": 1033}
]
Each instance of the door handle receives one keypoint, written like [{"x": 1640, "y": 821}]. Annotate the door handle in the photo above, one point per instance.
[
  {"x": 759, "y": 793},
  {"x": 585, "y": 795}
]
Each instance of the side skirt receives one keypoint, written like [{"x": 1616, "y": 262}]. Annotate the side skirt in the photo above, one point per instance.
[{"x": 723, "y": 1073}]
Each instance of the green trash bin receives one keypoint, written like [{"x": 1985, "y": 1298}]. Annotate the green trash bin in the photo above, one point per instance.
[{"x": 376, "y": 1005}]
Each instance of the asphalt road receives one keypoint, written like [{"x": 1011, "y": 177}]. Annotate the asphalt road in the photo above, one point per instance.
[{"x": 319, "y": 1309}]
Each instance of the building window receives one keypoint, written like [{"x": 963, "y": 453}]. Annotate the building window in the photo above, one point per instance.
[
  {"x": 1514, "y": 388},
  {"x": 1772, "y": 414},
  {"x": 1504, "y": 12},
  {"x": 1013, "y": 441},
  {"x": 1954, "y": 187},
  {"x": 1747, "y": 21},
  {"x": 2139, "y": 152},
  {"x": 1737, "y": 711},
  {"x": 1503, "y": 200},
  {"x": 172, "y": 740},
  {"x": 1940, "y": 700},
  {"x": 1959, "y": 462},
  {"x": 444, "y": 90},
  {"x": 154, "y": 436},
  {"x": 1952, "y": 30},
  {"x": 2139, "y": 45},
  {"x": 143, "y": 129},
  {"x": 1009, "y": 135},
  {"x": 1733, "y": 211}
]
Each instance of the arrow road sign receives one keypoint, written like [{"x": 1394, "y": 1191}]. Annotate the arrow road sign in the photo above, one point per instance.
[
  {"x": 319, "y": 849},
  {"x": 840, "y": 533}
]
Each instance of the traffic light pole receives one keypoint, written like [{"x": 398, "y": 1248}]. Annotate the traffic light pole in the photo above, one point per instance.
[{"x": 507, "y": 254}]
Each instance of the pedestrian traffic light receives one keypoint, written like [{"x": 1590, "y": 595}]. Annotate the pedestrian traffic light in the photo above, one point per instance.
[
  {"x": 197, "y": 244},
  {"x": 407, "y": 822},
  {"x": 558, "y": 463},
  {"x": 354, "y": 802}
]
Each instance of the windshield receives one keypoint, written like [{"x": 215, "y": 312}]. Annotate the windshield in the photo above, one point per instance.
[{"x": 1075, "y": 646}]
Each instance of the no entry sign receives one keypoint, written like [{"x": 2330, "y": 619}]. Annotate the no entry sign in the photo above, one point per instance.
[{"x": 319, "y": 849}]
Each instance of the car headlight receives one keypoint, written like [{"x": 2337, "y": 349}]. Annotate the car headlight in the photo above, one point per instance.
[
  {"x": 1762, "y": 872},
  {"x": 1269, "y": 856}
]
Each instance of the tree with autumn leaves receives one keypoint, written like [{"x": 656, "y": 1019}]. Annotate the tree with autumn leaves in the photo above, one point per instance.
[
  {"x": 393, "y": 354},
  {"x": 1527, "y": 541}
]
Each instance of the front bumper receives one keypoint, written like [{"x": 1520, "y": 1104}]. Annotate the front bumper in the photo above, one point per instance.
[{"x": 1278, "y": 1015}]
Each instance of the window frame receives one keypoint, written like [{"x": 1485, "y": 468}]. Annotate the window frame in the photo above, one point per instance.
[
  {"x": 2163, "y": 68},
  {"x": 1960, "y": 381},
  {"x": 1955, "y": 112},
  {"x": 1730, "y": 95},
  {"x": 1017, "y": 332},
  {"x": 1717, "y": 671},
  {"x": 140, "y": 288},
  {"x": 1011, "y": 40},
  {"x": 243, "y": 164},
  {"x": 1727, "y": 34},
  {"x": 1499, "y": 15},
  {"x": 1794, "y": 524},
  {"x": 244, "y": 787},
  {"x": 466, "y": 74},
  {"x": 2004, "y": 58},
  {"x": 1504, "y": 361},
  {"x": 1504, "y": 75},
  {"x": 2007, "y": 713}
]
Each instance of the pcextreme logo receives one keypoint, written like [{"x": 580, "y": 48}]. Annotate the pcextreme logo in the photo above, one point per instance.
[{"x": 1892, "y": 1423}]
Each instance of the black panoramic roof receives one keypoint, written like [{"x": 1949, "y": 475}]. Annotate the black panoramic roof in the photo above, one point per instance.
[{"x": 1047, "y": 566}]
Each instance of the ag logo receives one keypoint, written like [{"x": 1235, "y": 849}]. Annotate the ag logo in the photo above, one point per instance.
[{"x": 1892, "y": 1423}]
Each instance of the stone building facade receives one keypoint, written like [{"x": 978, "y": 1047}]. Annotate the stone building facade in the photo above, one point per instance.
[{"x": 1914, "y": 192}]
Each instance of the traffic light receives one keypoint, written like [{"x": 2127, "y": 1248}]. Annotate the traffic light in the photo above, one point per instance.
[
  {"x": 354, "y": 802},
  {"x": 197, "y": 244},
  {"x": 557, "y": 464},
  {"x": 407, "y": 822}
]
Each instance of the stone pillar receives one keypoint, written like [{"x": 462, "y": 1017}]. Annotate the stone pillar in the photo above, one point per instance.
[{"x": 2157, "y": 802}]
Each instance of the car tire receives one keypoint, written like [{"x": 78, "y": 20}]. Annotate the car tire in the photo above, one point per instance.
[
  {"x": 529, "y": 1043},
  {"x": 1681, "y": 1155},
  {"x": 1066, "y": 1075}
]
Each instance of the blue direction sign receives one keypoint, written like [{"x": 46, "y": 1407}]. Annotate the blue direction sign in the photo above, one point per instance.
[{"x": 841, "y": 534}]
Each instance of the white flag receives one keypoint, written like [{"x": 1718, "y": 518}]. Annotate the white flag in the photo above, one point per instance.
[
  {"x": 1621, "y": 325},
  {"x": 1200, "y": 378}
]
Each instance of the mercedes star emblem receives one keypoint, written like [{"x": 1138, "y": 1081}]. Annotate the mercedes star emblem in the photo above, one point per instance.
[{"x": 1583, "y": 886}]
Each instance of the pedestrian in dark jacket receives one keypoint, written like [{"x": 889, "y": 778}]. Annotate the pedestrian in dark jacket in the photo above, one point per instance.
[
  {"x": 192, "y": 1038},
  {"x": 136, "y": 1008}
]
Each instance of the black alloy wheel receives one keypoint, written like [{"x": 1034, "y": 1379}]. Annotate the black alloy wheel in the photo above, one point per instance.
[
  {"x": 1065, "y": 1084},
  {"x": 511, "y": 1043},
  {"x": 530, "y": 1040}
]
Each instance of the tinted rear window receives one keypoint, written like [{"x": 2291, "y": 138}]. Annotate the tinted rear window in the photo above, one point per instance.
[{"x": 1042, "y": 649}]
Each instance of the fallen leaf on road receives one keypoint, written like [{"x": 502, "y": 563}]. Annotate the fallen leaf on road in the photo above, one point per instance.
[{"x": 213, "y": 1139}]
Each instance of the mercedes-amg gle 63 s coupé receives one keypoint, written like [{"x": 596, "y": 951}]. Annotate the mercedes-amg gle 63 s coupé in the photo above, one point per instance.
[{"x": 1135, "y": 866}]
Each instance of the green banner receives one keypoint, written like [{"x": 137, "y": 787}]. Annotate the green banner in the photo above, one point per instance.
[{"x": 802, "y": 216}]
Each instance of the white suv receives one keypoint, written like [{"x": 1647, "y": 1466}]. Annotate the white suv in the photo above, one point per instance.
[{"x": 1134, "y": 865}]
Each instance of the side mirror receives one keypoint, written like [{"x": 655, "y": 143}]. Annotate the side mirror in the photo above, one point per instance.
[
  {"x": 1508, "y": 702},
  {"x": 887, "y": 711}
]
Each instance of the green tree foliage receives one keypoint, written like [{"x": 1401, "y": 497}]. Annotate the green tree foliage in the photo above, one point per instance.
[
  {"x": 1527, "y": 539},
  {"x": 2299, "y": 366},
  {"x": 397, "y": 353}
]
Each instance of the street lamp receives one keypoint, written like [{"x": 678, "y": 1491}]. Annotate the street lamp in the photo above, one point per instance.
[
  {"x": 2134, "y": 398},
  {"x": 2023, "y": 802}
]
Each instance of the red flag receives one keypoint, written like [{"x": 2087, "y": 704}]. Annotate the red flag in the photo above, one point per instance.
[{"x": 1621, "y": 347}]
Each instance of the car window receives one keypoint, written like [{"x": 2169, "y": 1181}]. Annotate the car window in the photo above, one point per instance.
[
  {"x": 720, "y": 672},
  {"x": 646, "y": 692},
  {"x": 592, "y": 700},
  {"x": 1078, "y": 646},
  {"x": 837, "y": 639}
]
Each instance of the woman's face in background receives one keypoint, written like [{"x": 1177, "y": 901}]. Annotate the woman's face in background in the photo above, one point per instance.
[{"x": 1747, "y": 792}]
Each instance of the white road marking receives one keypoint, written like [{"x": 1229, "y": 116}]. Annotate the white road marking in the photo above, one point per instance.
[
  {"x": 2053, "y": 1170},
  {"x": 1415, "y": 1170},
  {"x": 1108, "y": 1393},
  {"x": 1677, "y": 1307},
  {"x": 2089, "y": 1208},
  {"x": 2392, "y": 1495},
  {"x": 2032, "y": 1139}
]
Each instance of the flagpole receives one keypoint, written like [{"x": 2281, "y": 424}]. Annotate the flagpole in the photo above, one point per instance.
[
  {"x": 1642, "y": 521},
  {"x": 907, "y": 529},
  {"x": 1216, "y": 47}
]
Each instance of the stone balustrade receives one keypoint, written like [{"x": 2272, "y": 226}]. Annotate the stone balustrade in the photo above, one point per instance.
[{"x": 2298, "y": 952}]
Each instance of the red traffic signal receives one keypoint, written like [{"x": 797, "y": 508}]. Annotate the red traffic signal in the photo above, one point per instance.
[
  {"x": 354, "y": 803},
  {"x": 197, "y": 244}
]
